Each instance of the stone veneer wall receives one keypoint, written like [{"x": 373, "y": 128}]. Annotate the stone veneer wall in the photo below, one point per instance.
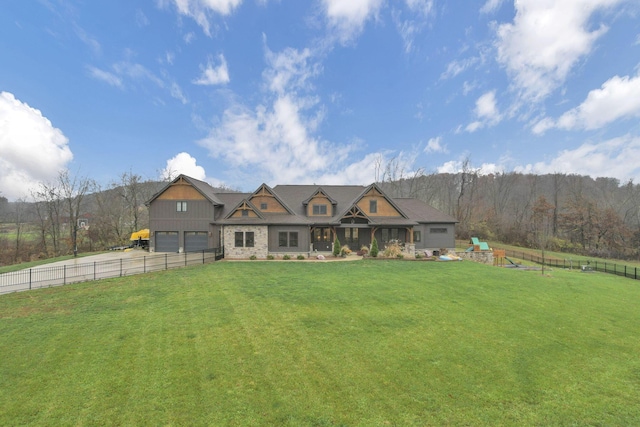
[
  {"x": 260, "y": 242},
  {"x": 484, "y": 257}
]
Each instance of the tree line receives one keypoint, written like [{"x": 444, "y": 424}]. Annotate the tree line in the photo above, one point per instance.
[
  {"x": 562, "y": 212},
  {"x": 73, "y": 213}
]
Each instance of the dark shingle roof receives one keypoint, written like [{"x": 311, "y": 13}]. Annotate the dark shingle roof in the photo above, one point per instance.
[{"x": 423, "y": 212}]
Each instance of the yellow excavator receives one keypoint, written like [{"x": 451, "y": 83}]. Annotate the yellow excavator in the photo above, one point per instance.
[{"x": 140, "y": 238}]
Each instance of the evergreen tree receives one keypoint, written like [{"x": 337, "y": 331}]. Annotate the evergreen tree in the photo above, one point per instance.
[
  {"x": 374, "y": 248},
  {"x": 336, "y": 247}
]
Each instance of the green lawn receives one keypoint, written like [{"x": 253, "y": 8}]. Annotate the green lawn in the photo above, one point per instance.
[{"x": 364, "y": 343}]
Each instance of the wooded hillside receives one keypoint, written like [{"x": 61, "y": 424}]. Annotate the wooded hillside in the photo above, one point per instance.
[{"x": 571, "y": 213}]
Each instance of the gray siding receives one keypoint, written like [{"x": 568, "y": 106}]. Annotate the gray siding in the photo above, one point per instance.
[
  {"x": 436, "y": 240},
  {"x": 165, "y": 217},
  {"x": 304, "y": 238}
]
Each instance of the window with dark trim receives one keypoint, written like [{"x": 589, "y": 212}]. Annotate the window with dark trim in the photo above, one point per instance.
[
  {"x": 248, "y": 239},
  {"x": 181, "y": 206},
  {"x": 373, "y": 206},
  {"x": 244, "y": 239},
  {"x": 263, "y": 206},
  {"x": 417, "y": 236},
  {"x": 319, "y": 209},
  {"x": 245, "y": 212},
  {"x": 288, "y": 239},
  {"x": 438, "y": 230}
]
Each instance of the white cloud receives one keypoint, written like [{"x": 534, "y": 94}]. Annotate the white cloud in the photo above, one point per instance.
[
  {"x": 214, "y": 75},
  {"x": 105, "y": 76},
  {"x": 435, "y": 146},
  {"x": 275, "y": 141},
  {"x": 617, "y": 158},
  {"x": 347, "y": 18},
  {"x": 617, "y": 98},
  {"x": 137, "y": 72},
  {"x": 31, "y": 149},
  {"x": 290, "y": 70},
  {"x": 176, "y": 92},
  {"x": 486, "y": 112},
  {"x": 544, "y": 42},
  {"x": 183, "y": 163},
  {"x": 456, "y": 67},
  {"x": 141, "y": 18},
  {"x": 491, "y": 6},
  {"x": 409, "y": 29},
  {"x": 200, "y": 10}
]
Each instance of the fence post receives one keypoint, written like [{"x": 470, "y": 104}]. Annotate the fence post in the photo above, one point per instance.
[
  {"x": 203, "y": 256},
  {"x": 120, "y": 267},
  {"x": 166, "y": 263},
  {"x": 29, "y": 279},
  {"x": 185, "y": 258},
  {"x": 64, "y": 274},
  {"x": 144, "y": 264},
  {"x": 94, "y": 270}
]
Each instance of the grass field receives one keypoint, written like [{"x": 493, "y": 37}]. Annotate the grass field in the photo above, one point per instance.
[{"x": 364, "y": 343}]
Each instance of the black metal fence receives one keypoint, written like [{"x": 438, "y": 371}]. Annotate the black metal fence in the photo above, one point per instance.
[
  {"x": 601, "y": 266},
  {"x": 43, "y": 276}
]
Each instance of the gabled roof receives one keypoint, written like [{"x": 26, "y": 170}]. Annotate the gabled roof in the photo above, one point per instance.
[
  {"x": 202, "y": 187},
  {"x": 364, "y": 193},
  {"x": 270, "y": 191},
  {"x": 243, "y": 203},
  {"x": 319, "y": 191}
]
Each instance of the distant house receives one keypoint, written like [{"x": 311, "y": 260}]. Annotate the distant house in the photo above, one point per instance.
[{"x": 190, "y": 215}]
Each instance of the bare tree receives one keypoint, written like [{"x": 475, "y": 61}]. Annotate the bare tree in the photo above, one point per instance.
[{"x": 73, "y": 190}]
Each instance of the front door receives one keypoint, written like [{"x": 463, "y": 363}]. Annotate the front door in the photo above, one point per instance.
[
  {"x": 351, "y": 238},
  {"x": 322, "y": 239}
]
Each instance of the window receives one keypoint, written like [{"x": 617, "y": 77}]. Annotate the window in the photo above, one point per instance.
[
  {"x": 417, "y": 236},
  {"x": 288, "y": 239},
  {"x": 373, "y": 206},
  {"x": 181, "y": 206},
  {"x": 245, "y": 212},
  {"x": 438, "y": 230},
  {"x": 263, "y": 206},
  {"x": 319, "y": 209},
  {"x": 244, "y": 239}
]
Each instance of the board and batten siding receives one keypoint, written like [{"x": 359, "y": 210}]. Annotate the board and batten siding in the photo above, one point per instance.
[
  {"x": 434, "y": 238},
  {"x": 164, "y": 216},
  {"x": 304, "y": 239}
]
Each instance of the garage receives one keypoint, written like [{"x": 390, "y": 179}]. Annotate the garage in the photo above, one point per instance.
[
  {"x": 196, "y": 241},
  {"x": 167, "y": 241}
]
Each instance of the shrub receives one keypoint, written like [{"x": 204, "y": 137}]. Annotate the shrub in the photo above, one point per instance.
[
  {"x": 301, "y": 257},
  {"x": 269, "y": 256},
  {"x": 418, "y": 255},
  {"x": 364, "y": 249},
  {"x": 286, "y": 257},
  {"x": 374, "y": 248},
  {"x": 253, "y": 257},
  {"x": 336, "y": 247},
  {"x": 345, "y": 250},
  {"x": 393, "y": 250}
]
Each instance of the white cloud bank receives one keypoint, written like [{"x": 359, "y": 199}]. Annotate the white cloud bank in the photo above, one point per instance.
[
  {"x": 616, "y": 158},
  {"x": 546, "y": 40},
  {"x": 486, "y": 112},
  {"x": 618, "y": 98},
  {"x": 31, "y": 149},
  {"x": 276, "y": 140}
]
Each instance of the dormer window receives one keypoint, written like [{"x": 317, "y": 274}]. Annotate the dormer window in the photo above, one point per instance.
[
  {"x": 245, "y": 212},
  {"x": 263, "y": 206},
  {"x": 319, "y": 209},
  {"x": 373, "y": 206}
]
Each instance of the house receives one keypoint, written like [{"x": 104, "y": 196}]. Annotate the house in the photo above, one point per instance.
[{"x": 190, "y": 215}]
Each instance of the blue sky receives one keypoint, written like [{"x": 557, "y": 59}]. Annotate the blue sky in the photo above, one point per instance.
[{"x": 240, "y": 92}]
